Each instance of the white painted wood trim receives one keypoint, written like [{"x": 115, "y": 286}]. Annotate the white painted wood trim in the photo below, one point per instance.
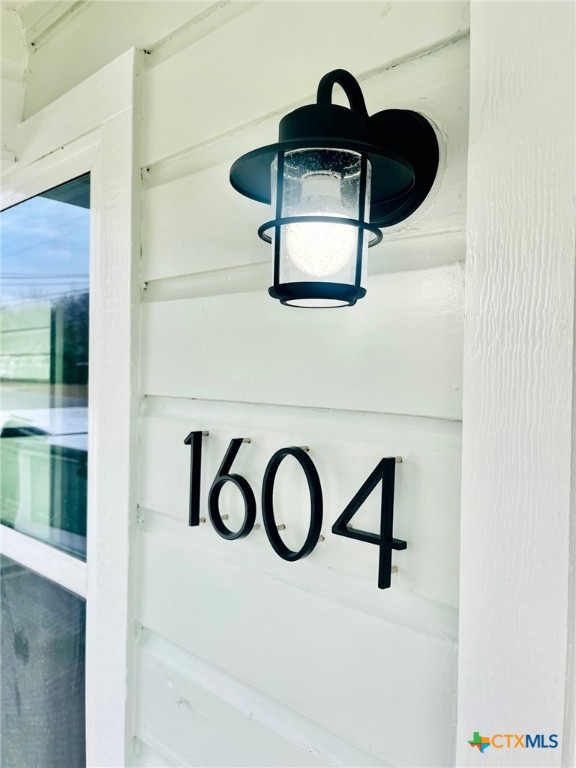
[
  {"x": 95, "y": 128},
  {"x": 44, "y": 559},
  {"x": 24, "y": 181},
  {"x": 516, "y": 651},
  {"x": 113, "y": 400},
  {"x": 97, "y": 100}
]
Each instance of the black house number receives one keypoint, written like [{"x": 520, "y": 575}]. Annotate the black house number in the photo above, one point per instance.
[{"x": 383, "y": 473}]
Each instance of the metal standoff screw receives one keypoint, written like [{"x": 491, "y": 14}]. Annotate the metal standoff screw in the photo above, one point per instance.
[
  {"x": 202, "y": 519},
  {"x": 246, "y": 439},
  {"x": 281, "y": 527},
  {"x": 205, "y": 434},
  {"x": 224, "y": 517},
  {"x": 321, "y": 538},
  {"x": 305, "y": 448},
  {"x": 394, "y": 569},
  {"x": 399, "y": 459},
  {"x": 257, "y": 526}
]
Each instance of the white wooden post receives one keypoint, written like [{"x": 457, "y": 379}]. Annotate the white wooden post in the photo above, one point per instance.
[{"x": 516, "y": 668}]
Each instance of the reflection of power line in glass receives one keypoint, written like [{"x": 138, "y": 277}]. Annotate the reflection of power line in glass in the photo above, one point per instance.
[
  {"x": 51, "y": 287},
  {"x": 49, "y": 284},
  {"x": 33, "y": 276}
]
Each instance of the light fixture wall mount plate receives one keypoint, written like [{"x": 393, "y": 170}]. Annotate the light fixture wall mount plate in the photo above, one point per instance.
[{"x": 335, "y": 176}]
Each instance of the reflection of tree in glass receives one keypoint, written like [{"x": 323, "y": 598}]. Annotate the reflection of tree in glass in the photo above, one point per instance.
[{"x": 70, "y": 339}]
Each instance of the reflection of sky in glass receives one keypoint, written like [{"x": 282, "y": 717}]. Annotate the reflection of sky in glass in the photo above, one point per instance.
[{"x": 44, "y": 250}]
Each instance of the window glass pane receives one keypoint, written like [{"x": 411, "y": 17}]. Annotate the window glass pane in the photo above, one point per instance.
[
  {"x": 44, "y": 279},
  {"x": 42, "y": 672}
]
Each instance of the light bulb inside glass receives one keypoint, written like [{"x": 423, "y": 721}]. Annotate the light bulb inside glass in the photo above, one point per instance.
[{"x": 321, "y": 248}]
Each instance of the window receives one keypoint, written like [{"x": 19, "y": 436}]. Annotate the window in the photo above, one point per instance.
[{"x": 44, "y": 313}]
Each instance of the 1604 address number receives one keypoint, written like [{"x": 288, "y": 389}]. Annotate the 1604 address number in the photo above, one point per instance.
[{"x": 383, "y": 473}]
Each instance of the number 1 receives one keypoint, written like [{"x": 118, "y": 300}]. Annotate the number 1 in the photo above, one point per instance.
[{"x": 194, "y": 440}]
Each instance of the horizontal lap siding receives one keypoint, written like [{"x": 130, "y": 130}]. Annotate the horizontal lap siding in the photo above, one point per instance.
[
  {"x": 200, "y": 720},
  {"x": 274, "y": 55},
  {"x": 345, "y": 448},
  {"x": 145, "y": 757},
  {"x": 317, "y": 636},
  {"x": 245, "y": 659},
  {"x": 348, "y": 671},
  {"x": 397, "y": 351}
]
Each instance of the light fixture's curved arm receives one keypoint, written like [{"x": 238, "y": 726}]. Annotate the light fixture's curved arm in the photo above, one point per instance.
[{"x": 349, "y": 85}]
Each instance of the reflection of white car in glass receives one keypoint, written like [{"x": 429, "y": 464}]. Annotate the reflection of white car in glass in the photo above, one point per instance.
[{"x": 43, "y": 474}]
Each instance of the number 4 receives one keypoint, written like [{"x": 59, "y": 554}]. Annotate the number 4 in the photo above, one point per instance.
[{"x": 385, "y": 472}]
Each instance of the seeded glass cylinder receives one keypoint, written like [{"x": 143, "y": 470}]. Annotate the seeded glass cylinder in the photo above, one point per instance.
[{"x": 321, "y": 182}]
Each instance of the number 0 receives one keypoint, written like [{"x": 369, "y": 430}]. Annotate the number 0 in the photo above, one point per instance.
[{"x": 315, "y": 504}]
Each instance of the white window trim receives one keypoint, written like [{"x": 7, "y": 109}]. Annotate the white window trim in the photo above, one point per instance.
[
  {"x": 95, "y": 128},
  {"x": 65, "y": 570}
]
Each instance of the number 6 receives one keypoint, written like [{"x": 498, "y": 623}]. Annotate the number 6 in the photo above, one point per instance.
[{"x": 223, "y": 476}]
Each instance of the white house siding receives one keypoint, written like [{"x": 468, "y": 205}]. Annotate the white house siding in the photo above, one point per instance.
[
  {"x": 241, "y": 658},
  {"x": 245, "y": 659}
]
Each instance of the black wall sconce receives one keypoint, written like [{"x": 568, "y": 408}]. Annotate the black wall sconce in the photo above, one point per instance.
[{"x": 335, "y": 177}]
